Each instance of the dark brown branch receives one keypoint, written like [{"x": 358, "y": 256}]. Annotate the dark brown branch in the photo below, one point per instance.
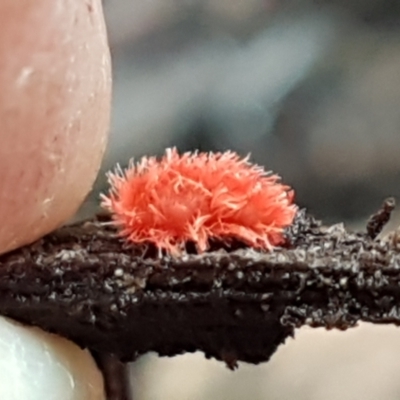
[
  {"x": 378, "y": 220},
  {"x": 86, "y": 284},
  {"x": 116, "y": 377}
]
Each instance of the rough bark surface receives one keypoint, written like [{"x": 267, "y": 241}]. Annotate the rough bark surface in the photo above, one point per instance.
[{"x": 85, "y": 283}]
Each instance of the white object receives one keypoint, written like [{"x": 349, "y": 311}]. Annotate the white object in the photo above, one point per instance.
[{"x": 36, "y": 365}]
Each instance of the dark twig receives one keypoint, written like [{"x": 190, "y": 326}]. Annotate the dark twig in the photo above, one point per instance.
[
  {"x": 377, "y": 221},
  {"x": 84, "y": 283},
  {"x": 116, "y": 377}
]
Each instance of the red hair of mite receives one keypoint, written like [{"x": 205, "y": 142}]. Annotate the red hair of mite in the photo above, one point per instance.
[{"x": 195, "y": 197}]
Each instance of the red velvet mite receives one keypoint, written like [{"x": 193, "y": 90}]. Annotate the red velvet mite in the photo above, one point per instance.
[{"x": 195, "y": 197}]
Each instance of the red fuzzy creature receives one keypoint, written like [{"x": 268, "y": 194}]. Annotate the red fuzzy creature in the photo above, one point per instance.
[{"x": 195, "y": 197}]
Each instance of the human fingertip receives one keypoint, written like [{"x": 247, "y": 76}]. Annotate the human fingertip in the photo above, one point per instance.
[
  {"x": 54, "y": 113},
  {"x": 37, "y": 365}
]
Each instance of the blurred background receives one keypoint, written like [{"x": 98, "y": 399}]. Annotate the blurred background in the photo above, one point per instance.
[{"x": 312, "y": 90}]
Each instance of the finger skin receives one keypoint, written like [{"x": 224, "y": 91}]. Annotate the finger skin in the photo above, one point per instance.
[
  {"x": 36, "y": 365},
  {"x": 55, "y": 90}
]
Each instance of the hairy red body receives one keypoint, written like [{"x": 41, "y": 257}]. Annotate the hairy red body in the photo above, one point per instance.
[{"x": 195, "y": 197}]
